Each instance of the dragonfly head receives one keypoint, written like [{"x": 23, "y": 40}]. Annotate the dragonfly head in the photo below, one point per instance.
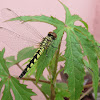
[{"x": 53, "y": 35}]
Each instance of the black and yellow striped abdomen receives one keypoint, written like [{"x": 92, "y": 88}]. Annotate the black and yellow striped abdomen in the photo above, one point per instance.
[
  {"x": 43, "y": 45},
  {"x": 34, "y": 59}
]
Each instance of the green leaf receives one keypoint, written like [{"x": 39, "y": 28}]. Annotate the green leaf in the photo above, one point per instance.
[
  {"x": 62, "y": 86},
  {"x": 3, "y": 51},
  {"x": 86, "y": 63},
  {"x": 20, "y": 91},
  {"x": 85, "y": 24},
  {"x": 59, "y": 97},
  {"x": 51, "y": 65},
  {"x": 98, "y": 50},
  {"x": 74, "y": 56},
  {"x": 50, "y": 20},
  {"x": 74, "y": 66},
  {"x": 61, "y": 94},
  {"x": 61, "y": 58},
  {"x": 70, "y": 19},
  {"x": 68, "y": 14},
  {"x": 1, "y": 84},
  {"x": 74, "y": 18},
  {"x": 90, "y": 52},
  {"x": 11, "y": 58},
  {"x": 46, "y": 88},
  {"x": 9, "y": 64},
  {"x": 6, "y": 92},
  {"x": 10, "y": 61},
  {"x": 61, "y": 91},
  {"x": 3, "y": 68}
]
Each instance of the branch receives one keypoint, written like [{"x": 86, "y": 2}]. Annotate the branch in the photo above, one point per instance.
[
  {"x": 19, "y": 66},
  {"x": 86, "y": 93},
  {"x": 33, "y": 79},
  {"x": 54, "y": 76},
  {"x": 48, "y": 82},
  {"x": 56, "y": 62}
]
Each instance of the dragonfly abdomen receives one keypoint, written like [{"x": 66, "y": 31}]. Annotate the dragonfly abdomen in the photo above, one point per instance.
[{"x": 34, "y": 59}]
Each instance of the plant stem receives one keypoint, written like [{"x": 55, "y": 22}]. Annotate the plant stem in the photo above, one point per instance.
[
  {"x": 19, "y": 66},
  {"x": 59, "y": 71},
  {"x": 52, "y": 97},
  {"x": 33, "y": 79},
  {"x": 56, "y": 62},
  {"x": 54, "y": 76}
]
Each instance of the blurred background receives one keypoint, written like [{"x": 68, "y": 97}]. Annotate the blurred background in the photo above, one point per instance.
[{"x": 88, "y": 10}]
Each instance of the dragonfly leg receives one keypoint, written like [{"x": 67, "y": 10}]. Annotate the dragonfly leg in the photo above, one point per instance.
[
  {"x": 53, "y": 46},
  {"x": 46, "y": 52}
]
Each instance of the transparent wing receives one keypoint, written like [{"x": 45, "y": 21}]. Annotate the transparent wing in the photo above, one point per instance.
[
  {"x": 13, "y": 40},
  {"x": 23, "y": 29}
]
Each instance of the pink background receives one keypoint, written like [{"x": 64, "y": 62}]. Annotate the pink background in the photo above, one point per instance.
[{"x": 89, "y": 10}]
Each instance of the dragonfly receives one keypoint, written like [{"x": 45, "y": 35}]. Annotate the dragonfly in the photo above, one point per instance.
[
  {"x": 43, "y": 45},
  {"x": 22, "y": 29}
]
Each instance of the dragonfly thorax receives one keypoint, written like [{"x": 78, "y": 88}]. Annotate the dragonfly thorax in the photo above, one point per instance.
[{"x": 48, "y": 40}]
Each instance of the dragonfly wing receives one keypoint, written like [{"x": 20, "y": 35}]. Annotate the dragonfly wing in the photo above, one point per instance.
[
  {"x": 13, "y": 40},
  {"x": 22, "y": 29}
]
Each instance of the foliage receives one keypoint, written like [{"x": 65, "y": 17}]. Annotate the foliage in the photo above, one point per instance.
[
  {"x": 80, "y": 44},
  {"x": 20, "y": 91}
]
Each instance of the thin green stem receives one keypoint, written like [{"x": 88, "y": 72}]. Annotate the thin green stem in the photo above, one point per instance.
[
  {"x": 56, "y": 62},
  {"x": 52, "y": 97},
  {"x": 59, "y": 72},
  {"x": 50, "y": 75}
]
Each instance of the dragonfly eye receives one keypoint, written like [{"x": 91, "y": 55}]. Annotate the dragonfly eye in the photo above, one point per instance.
[
  {"x": 53, "y": 35},
  {"x": 50, "y": 34}
]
